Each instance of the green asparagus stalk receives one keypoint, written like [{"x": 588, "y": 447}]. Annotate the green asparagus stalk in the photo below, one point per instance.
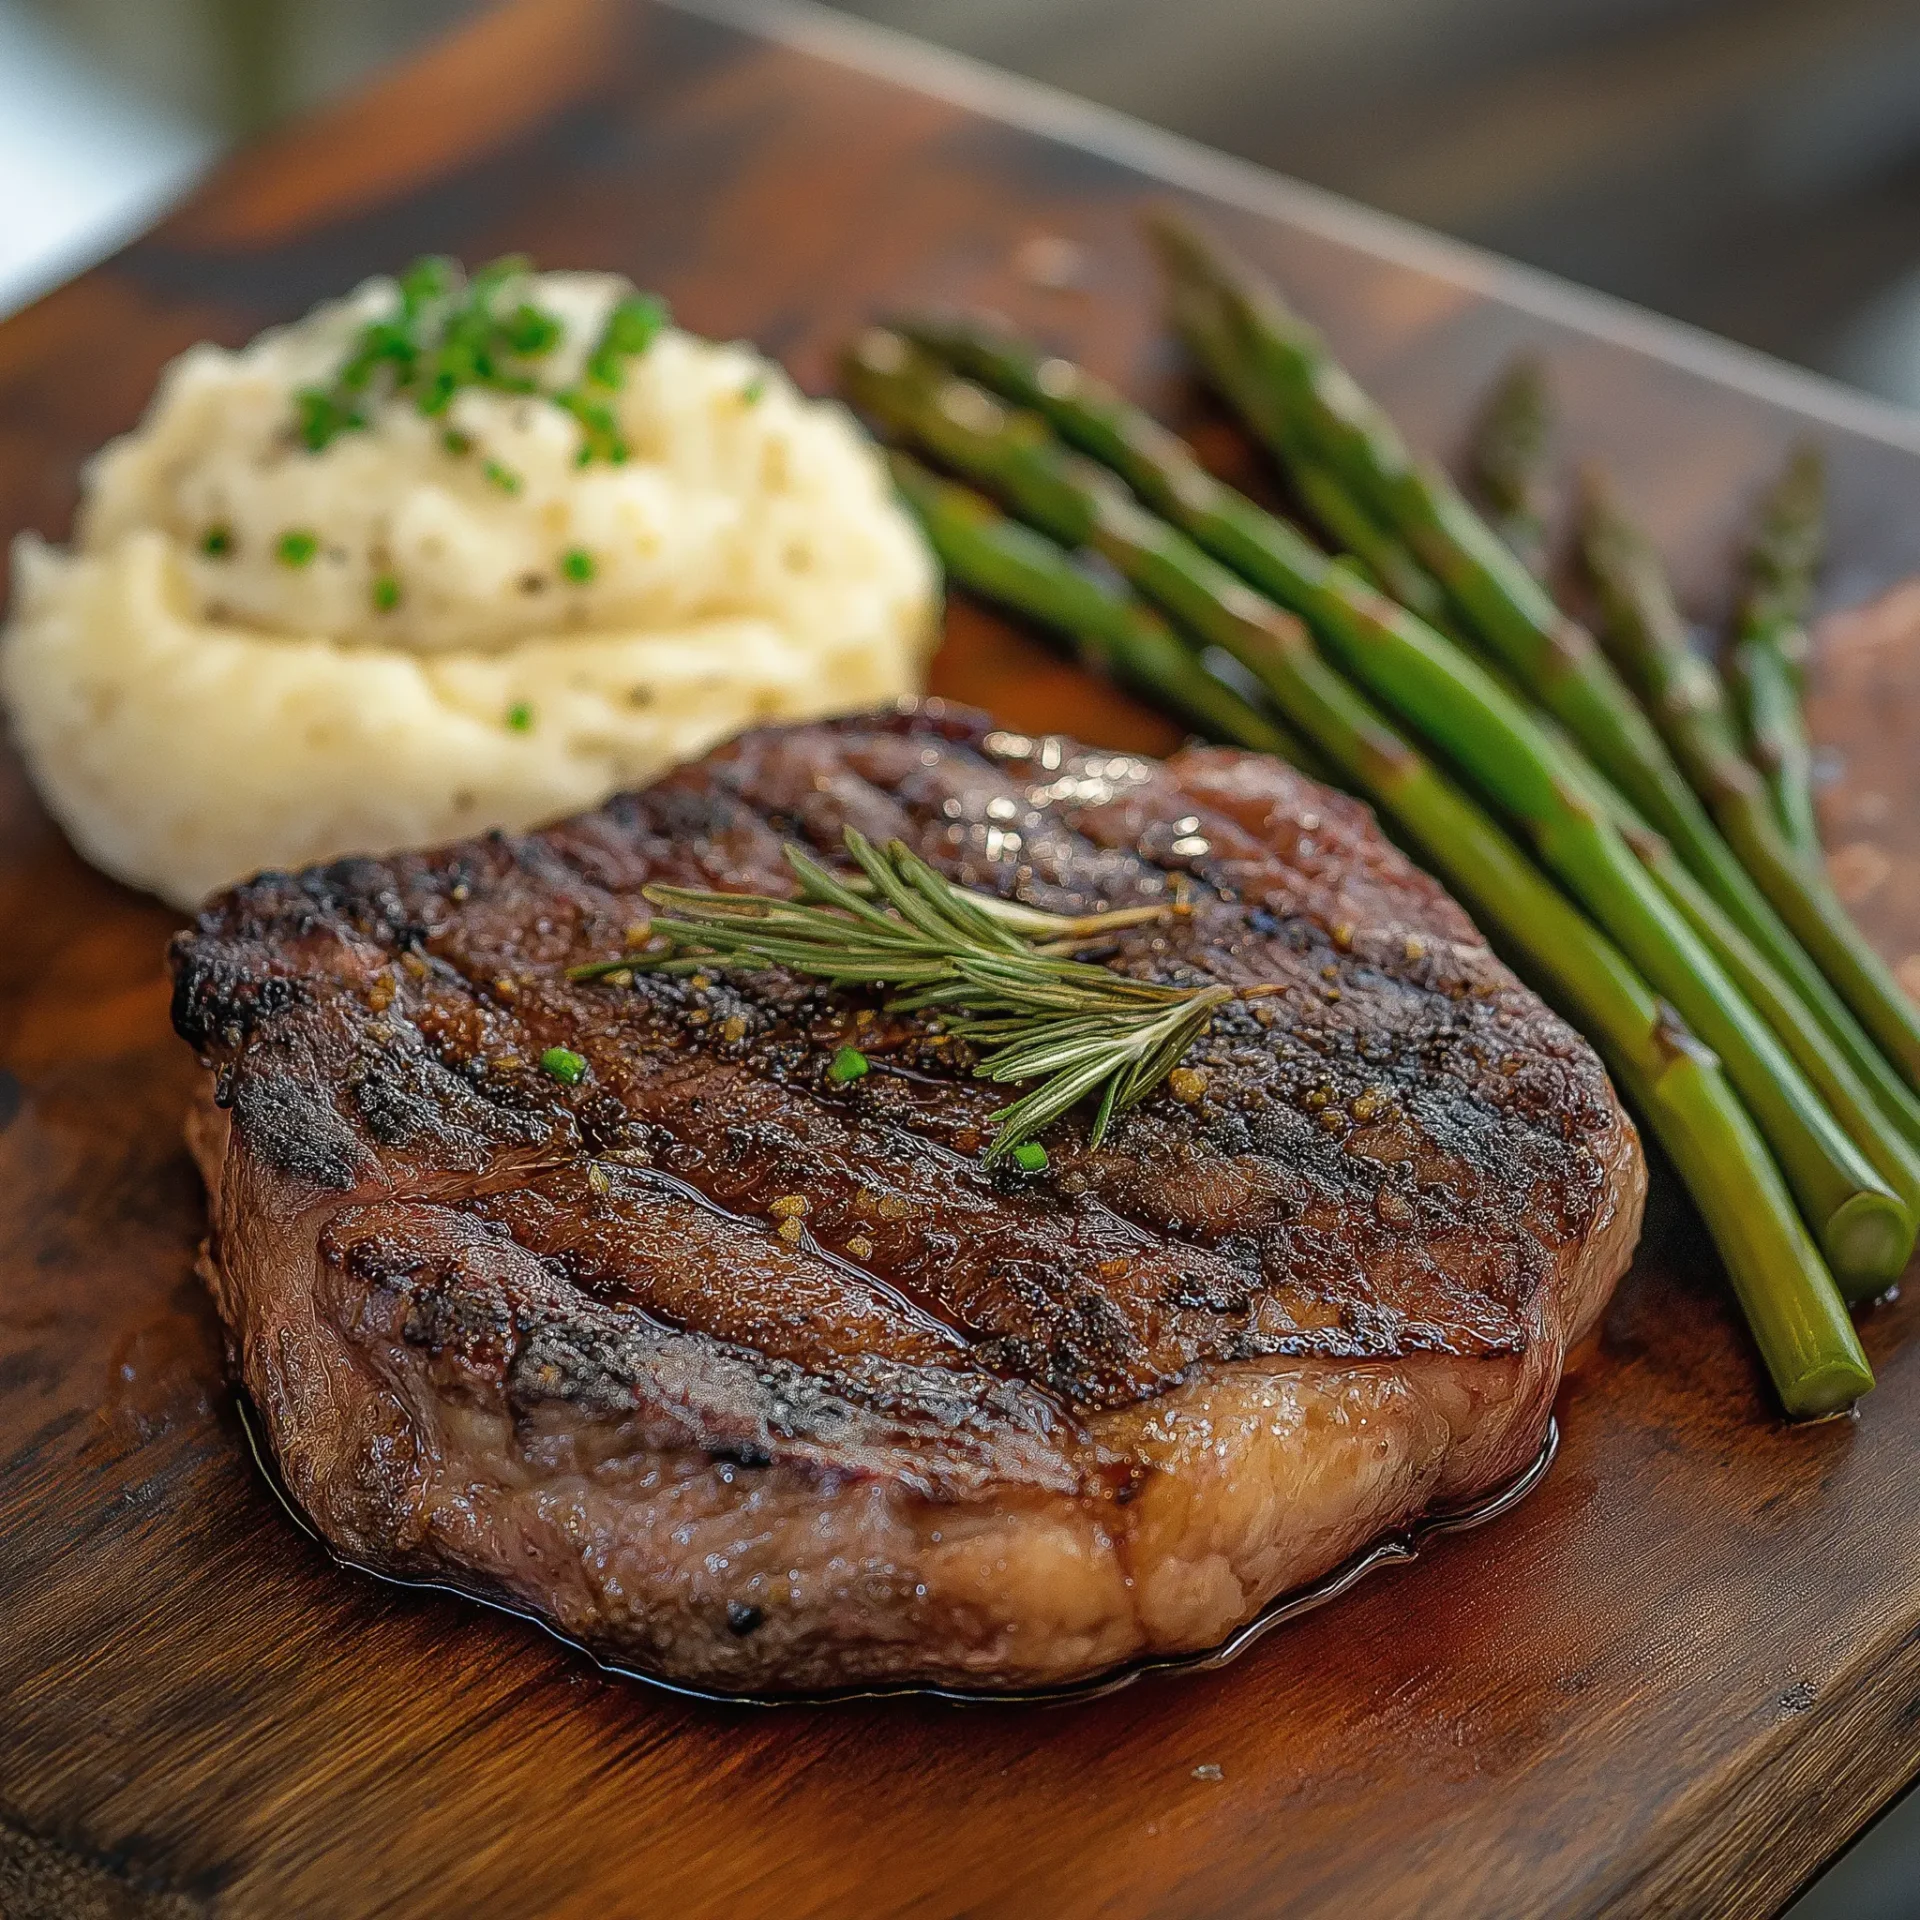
[
  {"x": 1163, "y": 471},
  {"x": 1685, "y": 695},
  {"x": 1348, "y": 529},
  {"x": 1865, "y": 1230},
  {"x": 1020, "y": 371},
  {"x": 1766, "y": 663},
  {"x": 1880, "y": 1113},
  {"x": 1848, "y": 1098},
  {"x": 1113, "y": 633},
  {"x": 1804, "y": 1337},
  {"x": 1775, "y": 729},
  {"x": 1508, "y": 458},
  {"x": 1278, "y": 373}
]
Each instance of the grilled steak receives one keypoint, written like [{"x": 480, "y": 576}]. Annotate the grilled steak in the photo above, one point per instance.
[{"x": 768, "y": 1382}]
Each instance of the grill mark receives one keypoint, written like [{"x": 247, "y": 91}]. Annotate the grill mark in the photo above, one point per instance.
[
  {"x": 920, "y": 1313},
  {"x": 494, "y": 1316},
  {"x": 773, "y": 1302}
]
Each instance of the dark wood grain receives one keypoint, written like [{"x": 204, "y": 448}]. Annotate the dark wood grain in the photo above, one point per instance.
[{"x": 1673, "y": 1683}]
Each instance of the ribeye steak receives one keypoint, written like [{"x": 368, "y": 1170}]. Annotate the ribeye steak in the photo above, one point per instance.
[{"x": 768, "y": 1382}]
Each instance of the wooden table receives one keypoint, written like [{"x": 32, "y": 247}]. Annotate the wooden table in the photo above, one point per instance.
[{"x": 1674, "y": 1682}]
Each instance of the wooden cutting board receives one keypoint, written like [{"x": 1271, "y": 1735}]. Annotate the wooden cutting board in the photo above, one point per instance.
[{"x": 1674, "y": 1682}]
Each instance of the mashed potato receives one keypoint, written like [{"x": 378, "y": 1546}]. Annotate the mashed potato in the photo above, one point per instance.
[{"x": 259, "y": 655}]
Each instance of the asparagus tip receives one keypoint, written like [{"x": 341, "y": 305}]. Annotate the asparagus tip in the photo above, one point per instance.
[{"x": 1508, "y": 452}]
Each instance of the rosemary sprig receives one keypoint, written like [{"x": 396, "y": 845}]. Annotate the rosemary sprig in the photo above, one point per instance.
[{"x": 994, "y": 973}]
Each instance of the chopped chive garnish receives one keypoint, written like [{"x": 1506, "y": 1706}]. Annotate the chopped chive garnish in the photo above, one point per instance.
[
  {"x": 577, "y": 564},
  {"x": 630, "y": 330},
  {"x": 1030, "y": 1156},
  {"x": 502, "y": 477},
  {"x": 445, "y": 335},
  {"x": 297, "y": 548},
  {"x": 455, "y": 442},
  {"x": 430, "y": 278},
  {"x": 600, "y": 435},
  {"x": 564, "y": 1065},
  {"x": 520, "y": 716},
  {"x": 386, "y": 593},
  {"x": 755, "y": 390},
  {"x": 217, "y": 542},
  {"x": 529, "y": 332},
  {"x": 849, "y": 1064},
  {"x": 322, "y": 417}
]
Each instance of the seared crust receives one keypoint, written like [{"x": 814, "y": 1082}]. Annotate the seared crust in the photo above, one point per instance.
[{"x": 584, "y": 1347}]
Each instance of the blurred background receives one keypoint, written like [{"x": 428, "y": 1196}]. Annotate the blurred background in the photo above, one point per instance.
[{"x": 1752, "y": 166}]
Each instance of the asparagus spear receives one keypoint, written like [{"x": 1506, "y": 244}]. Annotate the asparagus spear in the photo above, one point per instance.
[
  {"x": 1848, "y": 1098},
  {"x": 1685, "y": 695},
  {"x": 1019, "y": 370},
  {"x": 1775, "y": 729},
  {"x": 1113, "y": 633},
  {"x": 1766, "y": 663},
  {"x": 1352, "y": 530},
  {"x": 1808, "y": 1344},
  {"x": 1278, "y": 373},
  {"x": 1864, "y": 1229},
  {"x": 1163, "y": 471},
  {"x": 1507, "y": 461},
  {"x": 1880, "y": 1113}
]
